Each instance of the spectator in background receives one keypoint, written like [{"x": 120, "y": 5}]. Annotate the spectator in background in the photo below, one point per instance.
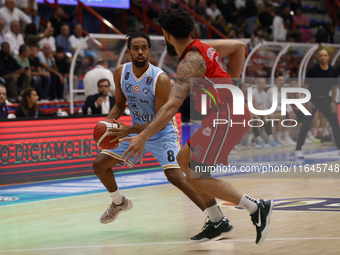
[
  {"x": 2, "y": 32},
  {"x": 221, "y": 25},
  {"x": 32, "y": 37},
  {"x": 302, "y": 23},
  {"x": 62, "y": 40},
  {"x": 9, "y": 13},
  {"x": 30, "y": 7},
  {"x": 212, "y": 11},
  {"x": 22, "y": 59},
  {"x": 266, "y": 19},
  {"x": 58, "y": 19},
  {"x": 48, "y": 39},
  {"x": 76, "y": 39},
  {"x": 290, "y": 24},
  {"x": 3, "y": 106},
  {"x": 92, "y": 77},
  {"x": 40, "y": 78},
  {"x": 100, "y": 103},
  {"x": 258, "y": 38},
  {"x": 279, "y": 31},
  {"x": 57, "y": 80},
  {"x": 10, "y": 70},
  {"x": 28, "y": 104},
  {"x": 201, "y": 8},
  {"x": 250, "y": 10},
  {"x": 14, "y": 38}
]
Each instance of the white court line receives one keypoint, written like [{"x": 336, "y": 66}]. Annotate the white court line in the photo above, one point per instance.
[{"x": 167, "y": 243}]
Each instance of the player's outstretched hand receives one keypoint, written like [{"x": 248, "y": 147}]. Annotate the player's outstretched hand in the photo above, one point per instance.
[{"x": 137, "y": 144}]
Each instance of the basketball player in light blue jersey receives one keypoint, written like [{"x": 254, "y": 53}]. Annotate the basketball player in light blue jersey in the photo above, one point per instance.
[{"x": 146, "y": 89}]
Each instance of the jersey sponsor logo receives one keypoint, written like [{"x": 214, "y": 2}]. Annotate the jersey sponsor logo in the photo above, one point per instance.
[
  {"x": 136, "y": 88},
  {"x": 137, "y": 115},
  {"x": 133, "y": 105},
  {"x": 131, "y": 98},
  {"x": 206, "y": 131},
  {"x": 144, "y": 100},
  {"x": 128, "y": 87},
  {"x": 8, "y": 199},
  {"x": 220, "y": 63},
  {"x": 149, "y": 80},
  {"x": 146, "y": 91},
  {"x": 127, "y": 75},
  {"x": 210, "y": 53}
]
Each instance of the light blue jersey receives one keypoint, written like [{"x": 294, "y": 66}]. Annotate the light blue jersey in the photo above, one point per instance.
[{"x": 140, "y": 94}]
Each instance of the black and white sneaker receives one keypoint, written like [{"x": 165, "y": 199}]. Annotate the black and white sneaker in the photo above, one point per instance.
[
  {"x": 261, "y": 219},
  {"x": 213, "y": 231}
]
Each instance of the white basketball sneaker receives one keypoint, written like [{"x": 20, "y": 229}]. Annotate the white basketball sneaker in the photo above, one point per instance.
[{"x": 114, "y": 210}]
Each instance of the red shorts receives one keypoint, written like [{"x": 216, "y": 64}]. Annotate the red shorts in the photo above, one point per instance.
[{"x": 211, "y": 145}]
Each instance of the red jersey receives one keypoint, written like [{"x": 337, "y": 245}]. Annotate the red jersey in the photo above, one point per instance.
[{"x": 216, "y": 70}]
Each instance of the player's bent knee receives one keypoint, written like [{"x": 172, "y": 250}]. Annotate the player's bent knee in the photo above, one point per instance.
[{"x": 175, "y": 176}]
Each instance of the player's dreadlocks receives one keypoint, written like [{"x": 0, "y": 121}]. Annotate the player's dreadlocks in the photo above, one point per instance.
[
  {"x": 135, "y": 33},
  {"x": 178, "y": 22}
]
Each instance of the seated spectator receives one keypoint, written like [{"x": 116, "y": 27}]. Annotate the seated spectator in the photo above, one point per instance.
[
  {"x": 76, "y": 39},
  {"x": 290, "y": 24},
  {"x": 266, "y": 19},
  {"x": 93, "y": 76},
  {"x": 32, "y": 37},
  {"x": 2, "y": 32},
  {"x": 221, "y": 25},
  {"x": 48, "y": 39},
  {"x": 63, "y": 64},
  {"x": 9, "y": 13},
  {"x": 201, "y": 8},
  {"x": 63, "y": 39},
  {"x": 28, "y": 104},
  {"x": 257, "y": 38},
  {"x": 47, "y": 61},
  {"x": 212, "y": 11},
  {"x": 302, "y": 23},
  {"x": 58, "y": 19},
  {"x": 40, "y": 78},
  {"x": 22, "y": 59},
  {"x": 3, "y": 106},
  {"x": 11, "y": 71},
  {"x": 14, "y": 38},
  {"x": 100, "y": 103},
  {"x": 30, "y": 7}
]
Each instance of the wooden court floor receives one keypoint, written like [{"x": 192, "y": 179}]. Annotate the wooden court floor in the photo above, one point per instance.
[{"x": 163, "y": 219}]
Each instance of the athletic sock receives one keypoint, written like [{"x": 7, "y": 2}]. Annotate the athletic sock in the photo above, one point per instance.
[
  {"x": 258, "y": 139},
  {"x": 285, "y": 134},
  {"x": 325, "y": 132},
  {"x": 248, "y": 203},
  {"x": 116, "y": 197},
  {"x": 309, "y": 134},
  {"x": 315, "y": 131},
  {"x": 278, "y": 136},
  {"x": 249, "y": 138},
  {"x": 215, "y": 213},
  {"x": 270, "y": 138}
]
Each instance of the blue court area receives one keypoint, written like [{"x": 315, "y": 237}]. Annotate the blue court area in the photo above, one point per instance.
[{"x": 32, "y": 192}]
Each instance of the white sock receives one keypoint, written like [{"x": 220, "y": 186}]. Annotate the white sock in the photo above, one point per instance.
[
  {"x": 206, "y": 212},
  {"x": 285, "y": 134},
  {"x": 278, "y": 136},
  {"x": 215, "y": 213},
  {"x": 325, "y": 132},
  {"x": 309, "y": 133},
  {"x": 258, "y": 139},
  {"x": 270, "y": 138},
  {"x": 116, "y": 197},
  {"x": 249, "y": 138},
  {"x": 248, "y": 203},
  {"x": 315, "y": 131}
]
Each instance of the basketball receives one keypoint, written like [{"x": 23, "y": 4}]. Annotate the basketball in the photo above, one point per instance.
[{"x": 100, "y": 134}]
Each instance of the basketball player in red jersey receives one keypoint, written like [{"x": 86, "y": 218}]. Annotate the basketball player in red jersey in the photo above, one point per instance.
[{"x": 209, "y": 145}]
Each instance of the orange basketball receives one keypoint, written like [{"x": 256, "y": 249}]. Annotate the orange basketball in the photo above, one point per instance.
[{"x": 100, "y": 134}]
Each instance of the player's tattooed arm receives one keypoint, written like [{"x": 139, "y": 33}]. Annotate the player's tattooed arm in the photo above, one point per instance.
[{"x": 192, "y": 66}]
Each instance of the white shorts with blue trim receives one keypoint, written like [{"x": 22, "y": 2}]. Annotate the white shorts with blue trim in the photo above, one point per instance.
[{"x": 164, "y": 149}]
